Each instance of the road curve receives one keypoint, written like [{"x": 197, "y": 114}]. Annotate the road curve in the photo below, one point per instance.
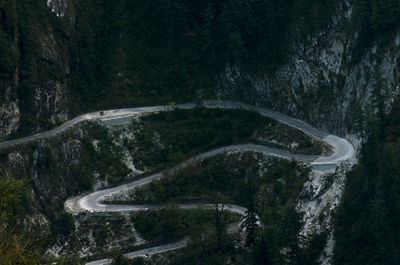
[
  {"x": 183, "y": 242},
  {"x": 343, "y": 149},
  {"x": 93, "y": 202}
]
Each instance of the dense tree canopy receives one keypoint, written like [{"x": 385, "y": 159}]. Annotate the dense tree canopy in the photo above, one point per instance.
[
  {"x": 372, "y": 19},
  {"x": 171, "y": 49},
  {"x": 367, "y": 230},
  {"x": 17, "y": 245}
]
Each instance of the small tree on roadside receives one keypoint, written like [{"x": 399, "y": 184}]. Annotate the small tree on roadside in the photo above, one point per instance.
[
  {"x": 220, "y": 226},
  {"x": 201, "y": 233},
  {"x": 379, "y": 94},
  {"x": 250, "y": 222}
]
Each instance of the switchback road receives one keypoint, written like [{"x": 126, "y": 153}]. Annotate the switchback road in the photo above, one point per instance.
[{"x": 94, "y": 202}]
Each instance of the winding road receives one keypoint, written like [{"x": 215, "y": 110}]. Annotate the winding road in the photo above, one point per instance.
[{"x": 343, "y": 151}]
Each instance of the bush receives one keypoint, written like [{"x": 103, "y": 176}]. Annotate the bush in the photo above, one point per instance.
[{"x": 63, "y": 225}]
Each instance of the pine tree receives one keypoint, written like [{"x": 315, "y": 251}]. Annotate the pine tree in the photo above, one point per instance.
[
  {"x": 261, "y": 253},
  {"x": 220, "y": 226},
  {"x": 250, "y": 222},
  {"x": 359, "y": 119}
]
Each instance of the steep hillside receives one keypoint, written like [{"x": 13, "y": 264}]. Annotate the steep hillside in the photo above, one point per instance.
[
  {"x": 333, "y": 63},
  {"x": 34, "y": 68},
  {"x": 61, "y": 57},
  {"x": 36, "y": 178},
  {"x": 366, "y": 223},
  {"x": 330, "y": 74}
]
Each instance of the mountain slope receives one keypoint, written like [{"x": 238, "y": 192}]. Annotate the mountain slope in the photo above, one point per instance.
[{"x": 63, "y": 57}]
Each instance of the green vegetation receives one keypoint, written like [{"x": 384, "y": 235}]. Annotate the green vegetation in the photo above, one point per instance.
[
  {"x": 366, "y": 224},
  {"x": 63, "y": 166},
  {"x": 106, "y": 230},
  {"x": 17, "y": 243},
  {"x": 63, "y": 225},
  {"x": 271, "y": 195},
  {"x": 24, "y": 28},
  {"x": 145, "y": 52},
  {"x": 372, "y": 19},
  {"x": 167, "y": 138},
  {"x": 223, "y": 179},
  {"x": 172, "y": 223},
  {"x": 377, "y": 16},
  {"x": 104, "y": 159},
  {"x": 8, "y": 63},
  {"x": 18, "y": 248},
  {"x": 63, "y": 260},
  {"x": 142, "y": 52},
  {"x": 206, "y": 228},
  {"x": 14, "y": 202}
]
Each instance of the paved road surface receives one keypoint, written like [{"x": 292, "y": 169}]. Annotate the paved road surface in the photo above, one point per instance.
[{"x": 93, "y": 202}]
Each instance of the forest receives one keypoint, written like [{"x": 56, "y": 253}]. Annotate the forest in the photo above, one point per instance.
[
  {"x": 128, "y": 53},
  {"x": 366, "y": 222},
  {"x": 151, "y": 52},
  {"x": 373, "y": 20},
  {"x": 147, "y": 52},
  {"x": 175, "y": 48}
]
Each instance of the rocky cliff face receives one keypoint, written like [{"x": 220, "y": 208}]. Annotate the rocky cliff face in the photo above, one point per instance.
[
  {"x": 320, "y": 83},
  {"x": 58, "y": 168},
  {"x": 52, "y": 179},
  {"x": 58, "y": 7},
  {"x": 34, "y": 93},
  {"x": 9, "y": 112}
]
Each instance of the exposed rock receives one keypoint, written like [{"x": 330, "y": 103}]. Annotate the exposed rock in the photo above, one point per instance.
[
  {"x": 9, "y": 118},
  {"x": 51, "y": 101},
  {"x": 320, "y": 83},
  {"x": 59, "y": 7},
  {"x": 318, "y": 200},
  {"x": 49, "y": 50}
]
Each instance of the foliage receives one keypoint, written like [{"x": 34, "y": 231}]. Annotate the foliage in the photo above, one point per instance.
[
  {"x": 164, "y": 224},
  {"x": 145, "y": 52},
  {"x": 231, "y": 179},
  {"x": 372, "y": 19},
  {"x": 16, "y": 248},
  {"x": 169, "y": 137},
  {"x": 172, "y": 223},
  {"x": 63, "y": 225},
  {"x": 377, "y": 15},
  {"x": 250, "y": 220},
  {"x": 366, "y": 229},
  {"x": 209, "y": 242},
  {"x": 213, "y": 180},
  {"x": 14, "y": 201},
  {"x": 105, "y": 160},
  {"x": 17, "y": 245},
  {"x": 155, "y": 51},
  {"x": 24, "y": 28}
]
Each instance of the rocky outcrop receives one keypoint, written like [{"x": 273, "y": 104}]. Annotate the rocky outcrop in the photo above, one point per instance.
[
  {"x": 9, "y": 114},
  {"x": 34, "y": 94},
  {"x": 55, "y": 170},
  {"x": 59, "y": 7},
  {"x": 320, "y": 83},
  {"x": 53, "y": 180},
  {"x": 51, "y": 101}
]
